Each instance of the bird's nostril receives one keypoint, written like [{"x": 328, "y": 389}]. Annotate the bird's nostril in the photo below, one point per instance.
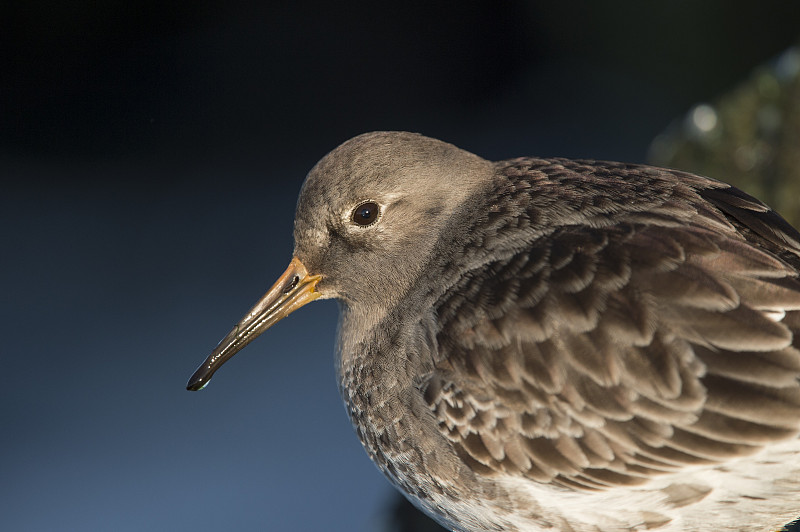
[{"x": 292, "y": 285}]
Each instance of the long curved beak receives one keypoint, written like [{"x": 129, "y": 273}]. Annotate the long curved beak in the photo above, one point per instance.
[{"x": 291, "y": 291}]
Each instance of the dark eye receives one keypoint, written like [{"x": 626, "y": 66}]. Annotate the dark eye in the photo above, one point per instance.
[{"x": 366, "y": 213}]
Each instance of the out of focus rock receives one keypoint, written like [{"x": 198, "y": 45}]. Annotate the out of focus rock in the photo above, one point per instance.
[
  {"x": 749, "y": 137},
  {"x": 404, "y": 517}
]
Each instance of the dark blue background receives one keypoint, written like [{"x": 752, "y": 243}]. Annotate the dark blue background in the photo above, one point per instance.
[{"x": 151, "y": 154}]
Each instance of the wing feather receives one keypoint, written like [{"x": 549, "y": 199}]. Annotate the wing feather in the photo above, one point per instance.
[{"x": 613, "y": 349}]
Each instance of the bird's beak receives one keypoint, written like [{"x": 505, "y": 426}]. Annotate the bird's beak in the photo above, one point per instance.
[{"x": 292, "y": 290}]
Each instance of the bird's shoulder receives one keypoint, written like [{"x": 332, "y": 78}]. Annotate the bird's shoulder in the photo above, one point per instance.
[{"x": 559, "y": 191}]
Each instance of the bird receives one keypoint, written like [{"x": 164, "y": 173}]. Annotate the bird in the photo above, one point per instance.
[{"x": 553, "y": 344}]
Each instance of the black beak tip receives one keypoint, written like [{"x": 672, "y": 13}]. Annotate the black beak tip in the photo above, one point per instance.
[{"x": 199, "y": 380}]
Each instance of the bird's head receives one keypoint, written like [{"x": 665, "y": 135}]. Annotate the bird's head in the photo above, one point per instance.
[
  {"x": 369, "y": 218},
  {"x": 372, "y": 210}
]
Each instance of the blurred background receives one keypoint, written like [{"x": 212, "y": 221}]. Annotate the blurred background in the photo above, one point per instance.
[{"x": 151, "y": 153}]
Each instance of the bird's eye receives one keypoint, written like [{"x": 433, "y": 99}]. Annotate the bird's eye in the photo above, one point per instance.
[{"x": 366, "y": 213}]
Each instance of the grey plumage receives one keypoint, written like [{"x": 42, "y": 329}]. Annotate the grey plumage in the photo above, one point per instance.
[{"x": 519, "y": 335}]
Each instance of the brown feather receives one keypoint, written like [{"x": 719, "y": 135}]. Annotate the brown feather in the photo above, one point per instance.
[{"x": 609, "y": 352}]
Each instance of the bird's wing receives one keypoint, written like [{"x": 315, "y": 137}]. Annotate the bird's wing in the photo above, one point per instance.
[{"x": 601, "y": 356}]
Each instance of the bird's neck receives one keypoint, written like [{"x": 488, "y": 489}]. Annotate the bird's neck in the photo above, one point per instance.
[{"x": 377, "y": 360}]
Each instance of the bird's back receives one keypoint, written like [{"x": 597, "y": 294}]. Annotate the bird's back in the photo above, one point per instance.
[{"x": 627, "y": 352}]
